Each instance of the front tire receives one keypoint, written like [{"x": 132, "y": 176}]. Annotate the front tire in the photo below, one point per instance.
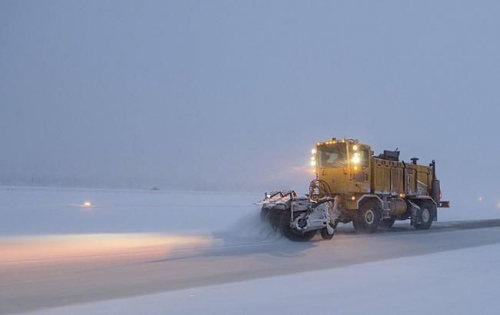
[
  {"x": 368, "y": 217},
  {"x": 293, "y": 234},
  {"x": 425, "y": 215}
]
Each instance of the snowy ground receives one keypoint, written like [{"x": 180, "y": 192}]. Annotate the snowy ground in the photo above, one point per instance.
[
  {"x": 35, "y": 211},
  {"x": 460, "y": 282},
  {"x": 454, "y": 282}
]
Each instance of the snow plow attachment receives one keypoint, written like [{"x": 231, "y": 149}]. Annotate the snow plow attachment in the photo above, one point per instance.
[{"x": 299, "y": 218}]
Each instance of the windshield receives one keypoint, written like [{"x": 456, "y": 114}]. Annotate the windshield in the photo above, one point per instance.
[{"x": 332, "y": 156}]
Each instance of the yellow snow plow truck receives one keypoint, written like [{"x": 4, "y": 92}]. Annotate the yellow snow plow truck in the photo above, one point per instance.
[{"x": 353, "y": 185}]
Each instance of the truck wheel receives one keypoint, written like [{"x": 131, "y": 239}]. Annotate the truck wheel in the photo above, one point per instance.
[
  {"x": 425, "y": 215},
  {"x": 388, "y": 223},
  {"x": 368, "y": 217},
  {"x": 293, "y": 234},
  {"x": 325, "y": 235}
]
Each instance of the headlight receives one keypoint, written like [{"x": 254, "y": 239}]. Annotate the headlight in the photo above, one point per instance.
[
  {"x": 356, "y": 159},
  {"x": 313, "y": 163}
]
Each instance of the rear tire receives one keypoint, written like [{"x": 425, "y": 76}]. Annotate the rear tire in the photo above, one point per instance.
[
  {"x": 368, "y": 217},
  {"x": 425, "y": 215},
  {"x": 293, "y": 234}
]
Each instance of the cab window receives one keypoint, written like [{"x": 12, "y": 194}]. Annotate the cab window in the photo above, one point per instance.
[
  {"x": 332, "y": 156},
  {"x": 365, "y": 157}
]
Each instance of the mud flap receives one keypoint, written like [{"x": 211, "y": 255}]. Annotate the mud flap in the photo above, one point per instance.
[{"x": 414, "y": 208}]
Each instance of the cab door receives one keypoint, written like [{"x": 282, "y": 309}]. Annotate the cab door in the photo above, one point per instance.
[
  {"x": 359, "y": 168},
  {"x": 333, "y": 166}
]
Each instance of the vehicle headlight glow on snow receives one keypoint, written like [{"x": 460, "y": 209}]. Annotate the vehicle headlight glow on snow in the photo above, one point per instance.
[{"x": 87, "y": 204}]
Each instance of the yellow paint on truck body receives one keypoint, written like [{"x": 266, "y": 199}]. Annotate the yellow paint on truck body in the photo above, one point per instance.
[{"x": 350, "y": 170}]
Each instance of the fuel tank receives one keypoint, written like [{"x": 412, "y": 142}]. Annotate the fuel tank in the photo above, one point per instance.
[{"x": 398, "y": 206}]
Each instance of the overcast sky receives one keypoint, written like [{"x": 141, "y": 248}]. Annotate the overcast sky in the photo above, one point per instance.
[{"x": 234, "y": 94}]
